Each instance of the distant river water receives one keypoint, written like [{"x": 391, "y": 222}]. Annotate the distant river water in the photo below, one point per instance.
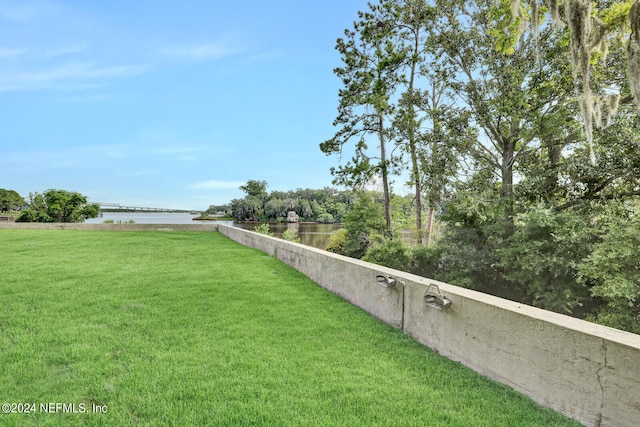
[{"x": 311, "y": 234}]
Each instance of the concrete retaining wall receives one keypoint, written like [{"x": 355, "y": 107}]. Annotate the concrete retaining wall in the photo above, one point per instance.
[{"x": 588, "y": 372}]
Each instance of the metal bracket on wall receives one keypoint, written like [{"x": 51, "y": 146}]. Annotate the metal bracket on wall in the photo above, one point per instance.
[
  {"x": 435, "y": 298},
  {"x": 386, "y": 280}
]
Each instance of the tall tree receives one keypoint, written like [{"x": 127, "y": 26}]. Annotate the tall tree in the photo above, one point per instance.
[
  {"x": 58, "y": 206},
  {"x": 10, "y": 199},
  {"x": 592, "y": 25},
  {"x": 371, "y": 59},
  {"x": 255, "y": 188},
  {"x": 503, "y": 90},
  {"x": 427, "y": 125},
  {"x": 413, "y": 17},
  {"x": 561, "y": 172},
  {"x": 442, "y": 143},
  {"x": 519, "y": 100}
]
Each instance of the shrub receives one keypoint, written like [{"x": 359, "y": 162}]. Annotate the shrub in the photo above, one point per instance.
[
  {"x": 392, "y": 254},
  {"x": 326, "y": 218},
  {"x": 363, "y": 224},
  {"x": 291, "y": 235},
  {"x": 613, "y": 271},
  {"x": 338, "y": 242},
  {"x": 425, "y": 261},
  {"x": 263, "y": 229}
]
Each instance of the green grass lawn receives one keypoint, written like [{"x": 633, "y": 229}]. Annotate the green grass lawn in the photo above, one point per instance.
[{"x": 193, "y": 329}]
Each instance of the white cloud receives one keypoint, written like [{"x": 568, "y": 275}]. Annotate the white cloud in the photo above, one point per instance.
[
  {"x": 139, "y": 150},
  {"x": 71, "y": 75},
  {"x": 8, "y": 52},
  {"x": 66, "y": 50},
  {"x": 227, "y": 45},
  {"x": 216, "y": 185},
  {"x": 201, "y": 52}
]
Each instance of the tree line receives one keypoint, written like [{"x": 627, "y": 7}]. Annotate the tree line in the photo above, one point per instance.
[
  {"x": 517, "y": 127},
  {"x": 327, "y": 205}
]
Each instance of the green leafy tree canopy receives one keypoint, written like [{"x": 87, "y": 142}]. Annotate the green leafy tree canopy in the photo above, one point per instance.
[
  {"x": 58, "y": 206},
  {"x": 9, "y": 200}
]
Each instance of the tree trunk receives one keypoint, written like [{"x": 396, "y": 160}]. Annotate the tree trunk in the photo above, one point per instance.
[
  {"x": 554, "y": 152},
  {"x": 508, "y": 155},
  {"x": 385, "y": 178},
  {"x": 418, "y": 192},
  {"x": 436, "y": 188},
  {"x": 412, "y": 143},
  {"x": 429, "y": 230}
]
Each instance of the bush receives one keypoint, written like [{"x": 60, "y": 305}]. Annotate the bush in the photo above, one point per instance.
[
  {"x": 425, "y": 261},
  {"x": 326, "y": 218},
  {"x": 338, "y": 242},
  {"x": 291, "y": 235},
  {"x": 363, "y": 223},
  {"x": 613, "y": 271},
  {"x": 263, "y": 229},
  {"x": 392, "y": 254}
]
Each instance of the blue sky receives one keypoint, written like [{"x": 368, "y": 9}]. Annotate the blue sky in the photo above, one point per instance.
[{"x": 168, "y": 104}]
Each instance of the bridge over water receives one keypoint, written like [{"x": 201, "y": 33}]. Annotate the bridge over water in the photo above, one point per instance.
[{"x": 116, "y": 207}]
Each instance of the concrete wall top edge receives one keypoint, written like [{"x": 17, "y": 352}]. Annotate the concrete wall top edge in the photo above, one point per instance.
[{"x": 277, "y": 239}]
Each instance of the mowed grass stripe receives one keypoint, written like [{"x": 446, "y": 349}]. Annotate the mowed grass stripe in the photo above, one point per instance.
[{"x": 172, "y": 328}]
